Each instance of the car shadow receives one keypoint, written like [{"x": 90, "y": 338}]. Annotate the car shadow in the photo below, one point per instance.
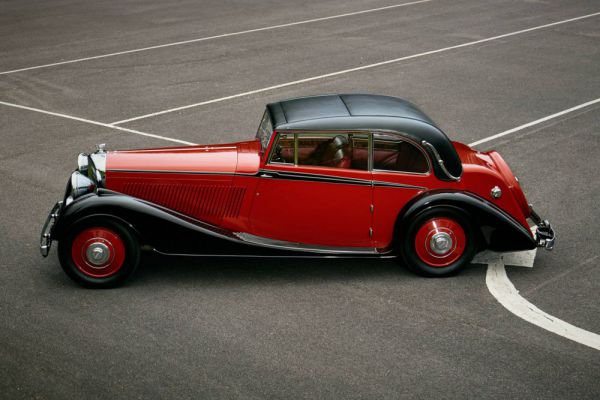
[
  {"x": 158, "y": 270},
  {"x": 224, "y": 270}
]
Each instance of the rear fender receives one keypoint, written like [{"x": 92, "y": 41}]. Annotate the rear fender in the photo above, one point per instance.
[{"x": 499, "y": 231}]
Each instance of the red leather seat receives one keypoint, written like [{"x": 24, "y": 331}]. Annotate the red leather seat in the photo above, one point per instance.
[{"x": 338, "y": 153}]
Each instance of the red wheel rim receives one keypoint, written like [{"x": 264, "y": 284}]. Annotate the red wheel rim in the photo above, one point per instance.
[
  {"x": 440, "y": 242},
  {"x": 98, "y": 252}
]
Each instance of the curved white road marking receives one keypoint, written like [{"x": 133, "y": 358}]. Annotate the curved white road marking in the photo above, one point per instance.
[
  {"x": 355, "y": 69},
  {"x": 223, "y": 35},
  {"x": 505, "y": 292}
]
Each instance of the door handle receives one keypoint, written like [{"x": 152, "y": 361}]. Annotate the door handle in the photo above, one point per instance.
[{"x": 265, "y": 175}]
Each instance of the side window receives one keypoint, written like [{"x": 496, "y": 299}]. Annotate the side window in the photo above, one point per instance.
[
  {"x": 283, "y": 150},
  {"x": 391, "y": 153},
  {"x": 333, "y": 150}
]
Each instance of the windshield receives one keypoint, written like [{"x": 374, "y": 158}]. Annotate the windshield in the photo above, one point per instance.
[{"x": 265, "y": 130}]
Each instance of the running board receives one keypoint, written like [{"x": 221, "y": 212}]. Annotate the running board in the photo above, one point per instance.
[{"x": 302, "y": 247}]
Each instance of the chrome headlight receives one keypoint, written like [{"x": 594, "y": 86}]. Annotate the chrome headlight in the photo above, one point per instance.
[
  {"x": 82, "y": 163},
  {"x": 99, "y": 165},
  {"x": 79, "y": 185}
]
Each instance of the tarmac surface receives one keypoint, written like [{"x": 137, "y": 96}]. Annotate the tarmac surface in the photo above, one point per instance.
[{"x": 248, "y": 328}]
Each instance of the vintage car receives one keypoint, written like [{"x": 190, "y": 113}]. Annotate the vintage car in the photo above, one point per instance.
[{"x": 326, "y": 176}]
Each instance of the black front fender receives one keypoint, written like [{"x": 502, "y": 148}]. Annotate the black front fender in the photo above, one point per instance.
[
  {"x": 500, "y": 231},
  {"x": 162, "y": 229},
  {"x": 155, "y": 226}
]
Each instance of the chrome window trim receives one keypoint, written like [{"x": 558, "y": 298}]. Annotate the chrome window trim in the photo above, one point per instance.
[
  {"x": 332, "y": 132},
  {"x": 269, "y": 137},
  {"x": 371, "y": 138},
  {"x": 295, "y": 149},
  {"x": 440, "y": 161}
]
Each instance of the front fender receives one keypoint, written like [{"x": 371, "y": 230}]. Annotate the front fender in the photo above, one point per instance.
[
  {"x": 500, "y": 231},
  {"x": 162, "y": 229}
]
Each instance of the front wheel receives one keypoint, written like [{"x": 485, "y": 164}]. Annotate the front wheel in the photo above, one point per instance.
[
  {"x": 438, "y": 242},
  {"x": 99, "y": 253}
]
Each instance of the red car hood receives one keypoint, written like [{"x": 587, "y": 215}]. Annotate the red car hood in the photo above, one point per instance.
[{"x": 242, "y": 157}]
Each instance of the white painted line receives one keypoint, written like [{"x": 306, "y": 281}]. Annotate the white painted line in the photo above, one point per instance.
[
  {"x": 361, "y": 68},
  {"x": 505, "y": 292},
  {"x": 536, "y": 122},
  {"x": 517, "y": 259},
  {"x": 202, "y": 39},
  {"x": 89, "y": 121}
]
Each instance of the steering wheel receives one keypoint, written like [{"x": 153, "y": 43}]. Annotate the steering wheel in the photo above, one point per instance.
[{"x": 278, "y": 157}]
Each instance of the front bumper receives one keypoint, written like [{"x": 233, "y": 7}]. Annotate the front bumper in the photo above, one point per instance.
[
  {"x": 544, "y": 234},
  {"x": 46, "y": 235}
]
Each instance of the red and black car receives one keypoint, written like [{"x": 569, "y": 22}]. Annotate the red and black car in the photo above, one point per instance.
[{"x": 326, "y": 176}]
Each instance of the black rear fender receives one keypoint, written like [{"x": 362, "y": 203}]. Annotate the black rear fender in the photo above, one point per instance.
[{"x": 497, "y": 230}]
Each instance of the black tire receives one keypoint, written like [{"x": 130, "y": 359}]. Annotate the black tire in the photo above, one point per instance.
[
  {"x": 405, "y": 243},
  {"x": 129, "y": 243}
]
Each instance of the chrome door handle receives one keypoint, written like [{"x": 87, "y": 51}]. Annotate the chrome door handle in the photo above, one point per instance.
[{"x": 263, "y": 175}]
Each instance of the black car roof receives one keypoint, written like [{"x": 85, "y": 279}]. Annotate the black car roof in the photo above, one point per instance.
[{"x": 364, "y": 112}]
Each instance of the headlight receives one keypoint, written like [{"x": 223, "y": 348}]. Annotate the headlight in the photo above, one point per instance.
[
  {"x": 80, "y": 185},
  {"x": 82, "y": 163}
]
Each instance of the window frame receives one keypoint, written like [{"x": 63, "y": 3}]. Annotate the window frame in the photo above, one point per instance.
[
  {"x": 371, "y": 148},
  {"x": 297, "y": 134},
  {"x": 402, "y": 138},
  {"x": 274, "y": 146},
  {"x": 264, "y": 144}
]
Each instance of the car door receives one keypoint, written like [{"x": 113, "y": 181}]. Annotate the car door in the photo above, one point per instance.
[
  {"x": 315, "y": 188},
  {"x": 401, "y": 170}
]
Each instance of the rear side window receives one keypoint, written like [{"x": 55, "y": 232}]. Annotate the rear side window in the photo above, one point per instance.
[{"x": 391, "y": 153}]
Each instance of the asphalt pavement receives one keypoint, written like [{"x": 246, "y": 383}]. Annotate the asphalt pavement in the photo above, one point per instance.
[{"x": 248, "y": 328}]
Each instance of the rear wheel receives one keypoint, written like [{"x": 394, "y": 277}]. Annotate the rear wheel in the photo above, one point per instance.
[
  {"x": 99, "y": 253},
  {"x": 438, "y": 242}
]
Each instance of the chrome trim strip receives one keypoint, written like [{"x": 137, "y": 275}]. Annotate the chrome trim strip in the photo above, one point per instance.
[
  {"x": 276, "y": 174},
  {"x": 380, "y": 255},
  {"x": 151, "y": 171},
  {"x": 440, "y": 161},
  {"x": 398, "y": 185},
  {"x": 314, "y": 177}
]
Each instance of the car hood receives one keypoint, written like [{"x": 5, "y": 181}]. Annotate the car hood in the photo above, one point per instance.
[{"x": 232, "y": 158}]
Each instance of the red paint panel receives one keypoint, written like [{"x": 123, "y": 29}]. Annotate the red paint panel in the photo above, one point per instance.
[
  {"x": 204, "y": 197},
  {"x": 484, "y": 170},
  {"x": 320, "y": 213},
  {"x": 207, "y": 159},
  {"x": 248, "y": 157}
]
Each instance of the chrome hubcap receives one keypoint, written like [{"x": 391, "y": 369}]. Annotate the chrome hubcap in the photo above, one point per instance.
[
  {"x": 440, "y": 243},
  {"x": 97, "y": 253}
]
